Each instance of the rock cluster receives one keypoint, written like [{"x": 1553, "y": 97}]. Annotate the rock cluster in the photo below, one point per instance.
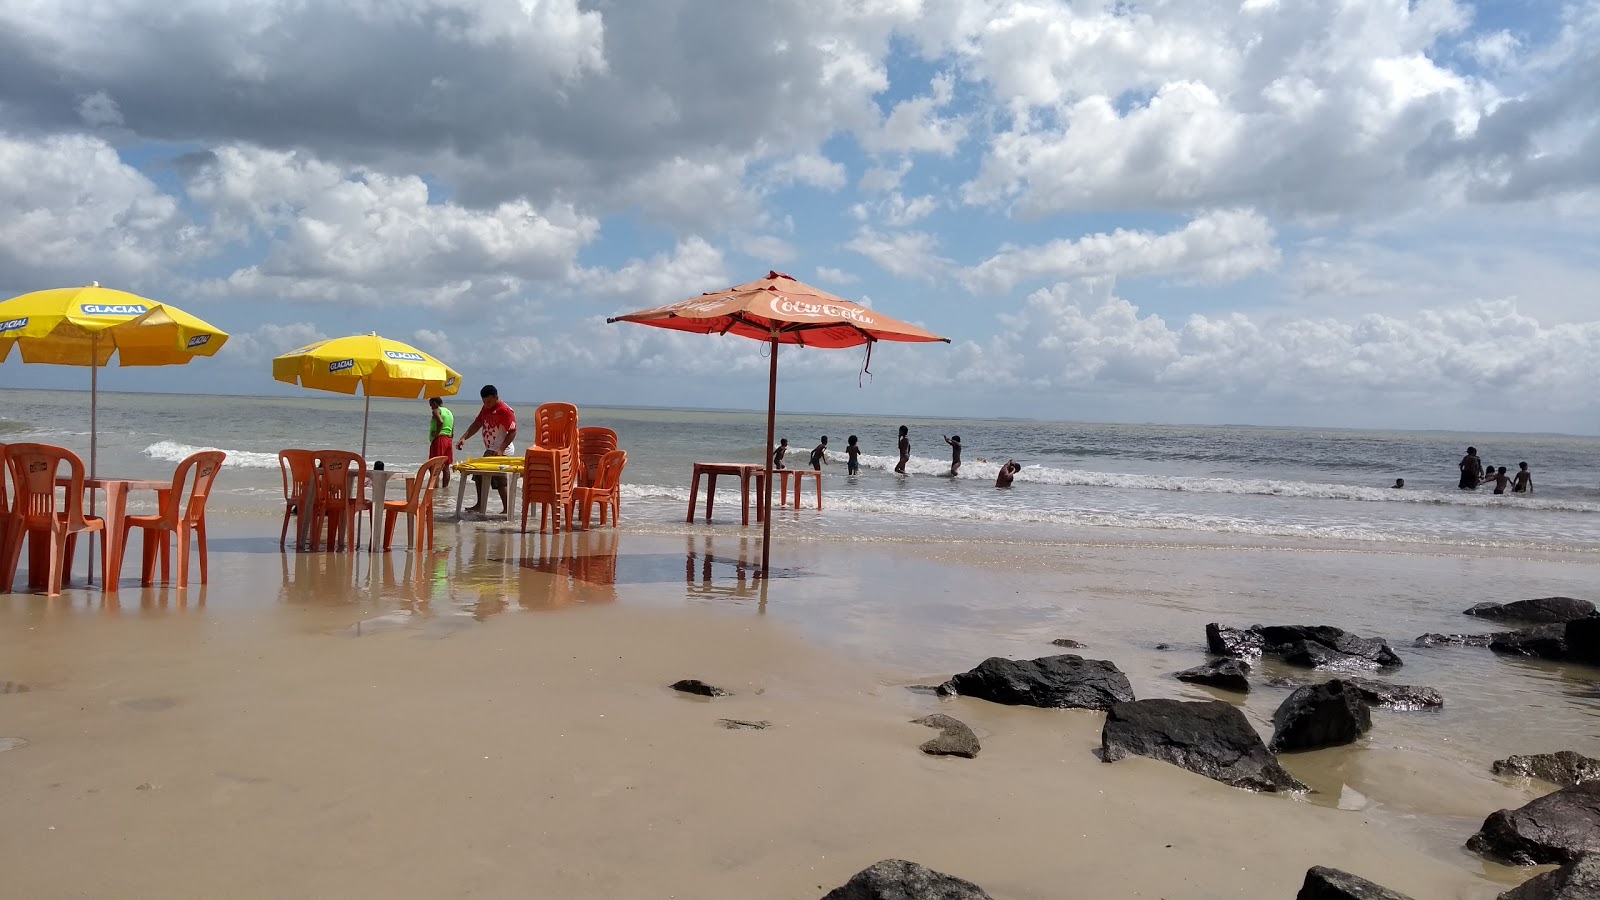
[{"x": 1312, "y": 646}]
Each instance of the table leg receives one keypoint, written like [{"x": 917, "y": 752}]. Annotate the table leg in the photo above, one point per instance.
[
  {"x": 744, "y": 499},
  {"x": 307, "y": 507},
  {"x": 818, "y": 485},
  {"x": 380, "y": 493},
  {"x": 116, "y": 511},
  {"x": 694, "y": 494},
  {"x": 711, "y": 492},
  {"x": 461, "y": 492},
  {"x": 799, "y": 479}
]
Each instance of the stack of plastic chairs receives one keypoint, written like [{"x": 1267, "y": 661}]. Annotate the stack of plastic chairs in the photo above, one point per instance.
[
  {"x": 606, "y": 492},
  {"x": 548, "y": 479},
  {"x": 593, "y": 445}
]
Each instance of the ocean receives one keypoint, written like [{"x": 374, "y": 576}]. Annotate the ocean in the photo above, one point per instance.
[{"x": 1079, "y": 481}]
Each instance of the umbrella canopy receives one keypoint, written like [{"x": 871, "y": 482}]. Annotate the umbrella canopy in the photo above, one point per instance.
[
  {"x": 778, "y": 309},
  {"x": 377, "y": 366},
  {"x": 86, "y": 326}
]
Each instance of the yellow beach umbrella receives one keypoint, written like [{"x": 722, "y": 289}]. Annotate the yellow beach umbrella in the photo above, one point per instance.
[
  {"x": 377, "y": 366},
  {"x": 86, "y": 326}
]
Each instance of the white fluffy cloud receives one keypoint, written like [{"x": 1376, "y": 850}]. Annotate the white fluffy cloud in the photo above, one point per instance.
[{"x": 1218, "y": 246}]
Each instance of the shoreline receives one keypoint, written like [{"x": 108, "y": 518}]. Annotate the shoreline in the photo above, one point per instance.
[{"x": 348, "y": 702}]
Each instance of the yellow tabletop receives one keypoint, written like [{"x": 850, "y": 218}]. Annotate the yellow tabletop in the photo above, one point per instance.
[{"x": 488, "y": 465}]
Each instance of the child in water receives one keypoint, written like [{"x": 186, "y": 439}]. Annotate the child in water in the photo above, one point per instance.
[
  {"x": 819, "y": 454},
  {"x": 905, "y": 450},
  {"x": 854, "y": 452},
  {"x": 955, "y": 454},
  {"x": 779, "y": 453},
  {"x": 1500, "y": 479},
  {"x": 1524, "y": 480}
]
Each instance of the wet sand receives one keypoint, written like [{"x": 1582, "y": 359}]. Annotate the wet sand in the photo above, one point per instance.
[{"x": 495, "y": 722}]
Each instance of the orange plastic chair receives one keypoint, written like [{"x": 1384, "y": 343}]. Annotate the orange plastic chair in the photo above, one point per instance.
[
  {"x": 548, "y": 479},
  {"x": 7, "y": 512},
  {"x": 555, "y": 427},
  {"x": 607, "y": 490},
  {"x": 418, "y": 502},
  {"x": 178, "y": 517},
  {"x": 341, "y": 494},
  {"x": 296, "y": 467},
  {"x": 35, "y": 515},
  {"x": 593, "y": 444}
]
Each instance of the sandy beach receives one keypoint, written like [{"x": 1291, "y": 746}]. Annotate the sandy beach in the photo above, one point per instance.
[{"x": 496, "y": 721}]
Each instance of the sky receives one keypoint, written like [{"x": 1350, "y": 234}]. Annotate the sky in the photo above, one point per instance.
[{"x": 1359, "y": 213}]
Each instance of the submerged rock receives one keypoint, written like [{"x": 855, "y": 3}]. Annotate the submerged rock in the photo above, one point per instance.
[
  {"x": 699, "y": 688},
  {"x": 1396, "y": 696},
  {"x": 1313, "y": 646},
  {"x": 955, "y": 738},
  {"x": 1323, "y": 883},
  {"x": 1575, "y": 881},
  {"x": 744, "y": 724},
  {"x": 1207, "y": 737},
  {"x": 1543, "y": 610},
  {"x": 1556, "y": 828},
  {"x": 1540, "y": 642},
  {"x": 1053, "y": 682},
  {"x": 1068, "y": 643},
  {"x": 899, "y": 879},
  {"x": 1583, "y": 641},
  {"x": 1227, "y": 674},
  {"x": 1434, "y": 639},
  {"x": 1320, "y": 715},
  {"x": 1564, "y": 767}
]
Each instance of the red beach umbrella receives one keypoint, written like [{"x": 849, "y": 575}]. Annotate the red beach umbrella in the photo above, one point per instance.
[{"x": 780, "y": 310}]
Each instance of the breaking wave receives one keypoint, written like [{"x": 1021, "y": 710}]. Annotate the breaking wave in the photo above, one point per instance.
[{"x": 172, "y": 451}]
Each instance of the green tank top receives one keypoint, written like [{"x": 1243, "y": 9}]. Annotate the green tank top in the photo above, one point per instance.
[{"x": 445, "y": 427}]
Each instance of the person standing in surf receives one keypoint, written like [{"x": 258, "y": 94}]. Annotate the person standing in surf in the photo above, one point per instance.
[
  {"x": 1007, "y": 473},
  {"x": 819, "y": 455},
  {"x": 441, "y": 428},
  {"x": 1523, "y": 484},
  {"x": 905, "y": 450},
  {"x": 1471, "y": 470},
  {"x": 955, "y": 454},
  {"x": 779, "y": 453}
]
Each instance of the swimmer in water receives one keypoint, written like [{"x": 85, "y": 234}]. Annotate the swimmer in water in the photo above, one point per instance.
[{"x": 1007, "y": 472}]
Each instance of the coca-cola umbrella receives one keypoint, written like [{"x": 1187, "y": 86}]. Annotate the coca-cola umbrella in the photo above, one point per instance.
[{"x": 780, "y": 310}]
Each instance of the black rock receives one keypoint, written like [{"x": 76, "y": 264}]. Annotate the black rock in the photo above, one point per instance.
[
  {"x": 1207, "y": 737},
  {"x": 1164, "y": 647},
  {"x": 1320, "y": 715},
  {"x": 696, "y": 686},
  {"x": 1565, "y": 767},
  {"x": 1396, "y": 696},
  {"x": 1556, "y": 828},
  {"x": 955, "y": 738},
  {"x": 1056, "y": 682},
  {"x": 1434, "y": 639},
  {"x": 1544, "y": 610},
  {"x": 898, "y": 879},
  {"x": 1347, "y": 650},
  {"x": 1315, "y": 646},
  {"x": 1235, "y": 642},
  {"x": 1583, "y": 641},
  {"x": 1227, "y": 674},
  {"x": 1323, "y": 883},
  {"x": 1540, "y": 641},
  {"x": 1575, "y": 881},
  {"x": 1068, "y": 643}
]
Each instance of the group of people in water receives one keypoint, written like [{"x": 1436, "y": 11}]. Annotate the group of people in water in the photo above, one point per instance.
[
  {"x": 1474, "y": 473},
  {"x": 819, "y": 457}
]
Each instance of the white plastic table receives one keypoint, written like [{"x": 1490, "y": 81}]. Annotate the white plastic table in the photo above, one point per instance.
[{"x": 488, "y": 467}]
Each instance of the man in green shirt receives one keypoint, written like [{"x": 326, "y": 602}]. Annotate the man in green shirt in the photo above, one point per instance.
[{"x": 440, "y": 431}]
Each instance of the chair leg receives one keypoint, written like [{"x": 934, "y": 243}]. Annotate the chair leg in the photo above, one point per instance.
[
  {"x": 58, "y": 550},
  {"x": 13, "y": 558},
  {"x": 525, "y": 514},
  {"x": 283, "y": 535},
  {"x": 150, "y": 547},
  {"x": 200, "y": 532},
  {"x": 183, "y": 555}
]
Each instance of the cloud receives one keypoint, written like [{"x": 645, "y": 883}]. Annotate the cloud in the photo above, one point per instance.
[
  {"x": 906, "y": 254},
  {"x": 1082, "y": 334},
  {"x": 251, "y": 348},
  {"x": 71, "y": 212},
  {"x": 811, "y": 169},
  {"x": 915, "y": 126},
  {"x": 1218, "y": 246},
  {"x": 694, "y": 266},
  {"x": 835, "y": 276}
]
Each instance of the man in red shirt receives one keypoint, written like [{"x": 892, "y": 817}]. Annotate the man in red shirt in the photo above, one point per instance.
[{"x": 498, "y": 422}]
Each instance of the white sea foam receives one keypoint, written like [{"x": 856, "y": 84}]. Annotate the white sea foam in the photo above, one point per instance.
[{"x": 172, "y": 451}]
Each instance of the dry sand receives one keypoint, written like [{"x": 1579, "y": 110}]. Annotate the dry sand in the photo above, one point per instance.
[{"x": 262, "y": 745}]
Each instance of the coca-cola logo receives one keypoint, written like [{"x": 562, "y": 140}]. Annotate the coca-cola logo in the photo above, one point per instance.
[{"x": 789, "y": 306}]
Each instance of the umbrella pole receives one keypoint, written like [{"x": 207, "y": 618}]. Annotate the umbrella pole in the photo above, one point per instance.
[
  {"x": 766, "y": 509},
  {"x": 364, "y": 416},
  {"x": 94, "y": 440}
]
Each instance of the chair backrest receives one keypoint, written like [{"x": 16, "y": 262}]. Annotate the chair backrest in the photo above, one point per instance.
[
  {"x": 34, "y": 469},
  {"x": 610, "y": 479},
  {"x": 426, "y": 482},
  {"x": 593, "y": 444},
  {"x": 204, "y": 467},
  {"x": 5, "y": 479},
  {"x": 341, "y": 476},
  {"x": 555, "y": 426},
  {"x": 296, "y": 466}
]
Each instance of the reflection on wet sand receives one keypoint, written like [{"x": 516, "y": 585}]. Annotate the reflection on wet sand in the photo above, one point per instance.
[{"x": 707, "y": 575}]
